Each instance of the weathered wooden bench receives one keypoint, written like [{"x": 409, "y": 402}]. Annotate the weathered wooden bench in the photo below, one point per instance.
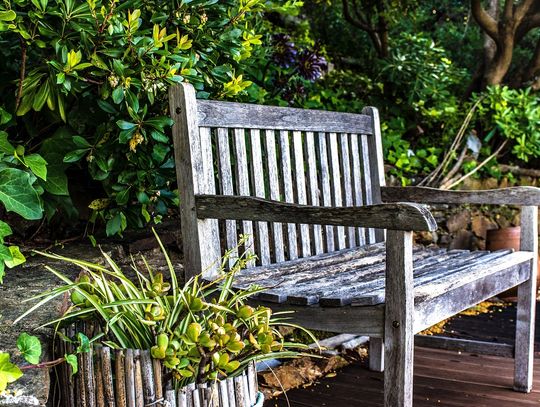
[{"x": 309, "y": 187}]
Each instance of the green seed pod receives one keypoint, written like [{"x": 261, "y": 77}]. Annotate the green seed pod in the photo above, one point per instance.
[
  {"x": 77, "y": 298},
  {"x": 235, "y": 346},
  {"x": 157, "y": 352},
  {"x": 194, "y": 331},
  {"x": 162, "y": 341},
  {"x": 245, "y": 312}
]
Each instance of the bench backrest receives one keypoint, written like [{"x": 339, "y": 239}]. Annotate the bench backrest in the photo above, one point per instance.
[{"x": 299, "y": 156}]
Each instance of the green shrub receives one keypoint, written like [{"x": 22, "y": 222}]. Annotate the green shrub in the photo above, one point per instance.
[
  {"x": 513, "y": 114},
  {"x": 84, "y": 84}
]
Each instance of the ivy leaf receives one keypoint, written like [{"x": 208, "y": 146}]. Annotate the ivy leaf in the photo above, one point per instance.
[
  {"x": 30, "y": 348},
  {"x": 8, "y": 371},
  {"x": 84, "y": 343},
  {"x": 116, "y": 225},
  {"x": 5, "y": 145},
  {"x": 37, "y": 164},
  {"x": 5, "y": 230},
  {"x": 17, "y": 257},
  {"x": 18, "y": 195},
  {"x": 72, "y": 361}
]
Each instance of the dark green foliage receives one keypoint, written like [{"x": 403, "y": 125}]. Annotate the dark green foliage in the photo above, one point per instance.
[{"x": 93, "y": 93}]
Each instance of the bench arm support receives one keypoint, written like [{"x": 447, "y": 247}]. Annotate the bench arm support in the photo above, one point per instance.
[
  {"x": 520, "y": 196},
  {"x": 395, "y": 216}
]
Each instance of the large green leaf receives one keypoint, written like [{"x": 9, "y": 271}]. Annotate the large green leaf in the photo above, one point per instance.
[
  {"x": 5, "y": 230},
  {"x": 53, "y": 151},
  {"x": 30, "y": 348},
  {"x": 5, "y": 145},
  {"x": 37, "y": 164},
  {"x": 17, "y": 258},
  {"x": 8, "y": 371},
  {"x": 18, "y": 195},
  {"x": 72, "y": 361}
]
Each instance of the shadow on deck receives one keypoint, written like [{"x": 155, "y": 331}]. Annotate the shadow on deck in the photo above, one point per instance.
[{"x": 441, "y": 378}]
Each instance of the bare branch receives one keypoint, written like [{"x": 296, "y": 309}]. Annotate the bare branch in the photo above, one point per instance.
[
  {"x": 522, "y": 10},
  {"x": 484, "y": 20},
  {"x": 508, "y": 10},
  {"x": 527, "y": 24},
  {"x": 354, "y": 21},
  {"x": 22, "y": 74}
]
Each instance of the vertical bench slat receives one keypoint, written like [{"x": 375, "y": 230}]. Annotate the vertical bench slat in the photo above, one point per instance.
[
  {"x": 336, "y": 185},
  {"x": 258, "y": 181},
  {"x": 226, "y": 181},
  {"x": 325, "y": 183},
  {"x": 370, "y": 233},
  {"x": 208, "y": 186},
  {"x": 347, "y": 183},
  {"x": 375, "y": 151},
  {"x": 288, "y": 189},
  {"x": 273, "y": 182},
  {"x": 200, "y": 247},
  {"x": 314, "y": 189},
  {"x": 357, "y": 182},
  {"x": 301, "y": 189},
  {"x": 526, "y": 306},
  {"x": 242, "y": 176}
]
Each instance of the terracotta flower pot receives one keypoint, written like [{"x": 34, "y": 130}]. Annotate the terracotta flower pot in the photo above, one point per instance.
[{"x": 506, "y": 238}]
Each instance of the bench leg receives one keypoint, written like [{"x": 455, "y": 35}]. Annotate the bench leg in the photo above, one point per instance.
[
  {"x": 526, "y": 307},
  {"x": 398, "y": 326},
  {"x": 376, "y": 354}
]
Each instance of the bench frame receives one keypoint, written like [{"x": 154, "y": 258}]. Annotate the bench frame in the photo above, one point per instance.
[{"x": 393, "y": 324}]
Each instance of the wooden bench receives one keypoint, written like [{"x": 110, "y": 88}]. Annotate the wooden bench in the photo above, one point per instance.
[{"x": 309, "y": 187}]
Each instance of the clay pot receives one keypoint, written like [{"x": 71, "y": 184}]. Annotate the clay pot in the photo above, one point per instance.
[{"x": 506, "y": 238}]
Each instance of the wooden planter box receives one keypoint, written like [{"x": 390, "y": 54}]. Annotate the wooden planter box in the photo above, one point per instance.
[{"x": 131, "y": 378}]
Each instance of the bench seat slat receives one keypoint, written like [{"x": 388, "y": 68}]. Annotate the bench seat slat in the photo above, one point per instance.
[
  {"x": 346, "y": 280},
  {"x": 374, "y": 293}
]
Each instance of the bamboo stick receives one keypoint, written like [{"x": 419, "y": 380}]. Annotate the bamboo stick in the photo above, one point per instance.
[
  {"x": 130, "y": 378},
  {"x": 252, "y": 382},
  {"x": 149, "y": 384},
  {"x": 231, "y": 392},
  {"x": 158, "y": 378},
  {"x": 120, "y": 384},
  {"x": 90, "y": 384},
  {"x": 170, "y": 398},
  {"x": 108, "y": 386},
  {"x": 80, "y": 388},
  {"x": 214, "y": 394},
  {"x": 98, "y": 379},
  {"x": 223, "y": 394},
  {"x": 139, "y": 396},
  {"x": 245, "y": 385},
  {"x": 189, "y": 393},
  {"x": 239, "y": 392},
  {"x": 182, "y": 400}
]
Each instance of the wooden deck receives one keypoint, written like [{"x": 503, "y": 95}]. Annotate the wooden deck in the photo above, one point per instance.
[{"x": 441, "y": 378}]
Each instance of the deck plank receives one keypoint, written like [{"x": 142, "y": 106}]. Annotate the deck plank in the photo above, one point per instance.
[{"x": 441, "y": 378}]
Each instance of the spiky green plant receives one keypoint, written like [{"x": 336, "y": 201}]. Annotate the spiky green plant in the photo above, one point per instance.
[{"x": 201, "y": 330}]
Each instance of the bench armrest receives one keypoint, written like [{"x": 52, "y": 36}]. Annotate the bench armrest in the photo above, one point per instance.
[
  {"x": 521, "y": 196},
  {"x": 397, "y": 216}
]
